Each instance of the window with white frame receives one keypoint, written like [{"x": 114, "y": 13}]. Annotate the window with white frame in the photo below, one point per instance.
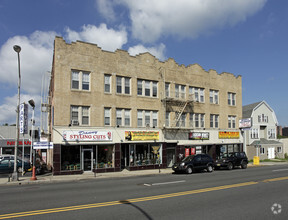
[
  {"x": 231, "y": 98},
  {"x": 80, "y": 80},
  {"x": 279, "y": 150},
  {"x": 182, "y": 121},
  {"x": 214, "y": 121},
  {"x": 197, "y": 120},
  {"x": 254, "y": 133},
  {"x": 231, "y": 121},
  {"x": 80, "y": 115},
  {"x": 262, "y": 150},
  {"x": 123, "y": 85},
  {"x": 107, "y": 116},
  {"x": 167, "y": 89},
  {"x": 147, "y": 88},
  {"x": 263, "y": 118},
  {"x": 123, "y": 117},
  {"x": 147, "y": 118},
  {"x": 197, "y": 93},
  {"x": 271, "y": 133},
  {"x": 180, "y": 91},
  {"x": 107, "y": 83},
  {"x": 85, "y": 80},
  {"x": 213, "y": 96},
  {"x": 167, "y": 119}
]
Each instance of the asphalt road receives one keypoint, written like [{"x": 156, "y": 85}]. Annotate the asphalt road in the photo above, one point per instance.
[{"x": 236, "y": 194}]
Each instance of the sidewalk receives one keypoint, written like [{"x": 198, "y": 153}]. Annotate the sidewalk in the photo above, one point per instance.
[{"x": 49, "y": 178}]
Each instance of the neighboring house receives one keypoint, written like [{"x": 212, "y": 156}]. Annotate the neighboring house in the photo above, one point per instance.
[
  {"x": 261, "y": 138},
  {"x": 111, "y": 111}
]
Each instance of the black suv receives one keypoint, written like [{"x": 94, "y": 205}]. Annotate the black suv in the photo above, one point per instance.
[
  {"x": 194, "y": 163},
  {"x": 232, "y": 160}
]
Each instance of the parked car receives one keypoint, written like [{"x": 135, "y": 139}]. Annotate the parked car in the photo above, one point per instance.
[
  {"x": 7, "y": 165},
  {"x": 232, "y": 160},
  {"x": 193, "y": 163}
]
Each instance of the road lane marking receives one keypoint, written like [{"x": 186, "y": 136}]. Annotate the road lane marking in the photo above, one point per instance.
[
  {"x": 275, "y": 179},
  {"x": 165, "y": 183},
  {"x": 279, "y": 170},
  {"x": 141, "y": 199}
]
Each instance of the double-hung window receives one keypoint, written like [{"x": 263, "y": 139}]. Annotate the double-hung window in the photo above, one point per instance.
[
  {"x": 107, "y": 83},
  {"x": 197, "y": 93},
  {"x": 180, "y": 91},
  {"x": 167, "y": 89},
  {"x": 213, "y": 96},
  {"x": 231, "y": 98},
  {"x": 254, "y": 133},
  {"x": 123, "y": 85},
  {"x": 80, "y": 115},
  {"x": 80, "y": 80},
  {"x": 147, "y": 118},
  {"x": 197, "y": 120},
  {"x": 214, "y": 121},
  {"x": 107, "y": 116},
  {"x": 123, "y": 117},
  {"x": 147, "y": 88},
  {"x": 231, "y": 121}
]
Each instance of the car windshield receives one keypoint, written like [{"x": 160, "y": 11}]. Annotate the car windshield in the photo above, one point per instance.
[{"x": 188, "y": 158}]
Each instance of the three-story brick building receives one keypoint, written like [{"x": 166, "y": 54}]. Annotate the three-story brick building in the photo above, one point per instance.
[{"x": 110, "y": 110}]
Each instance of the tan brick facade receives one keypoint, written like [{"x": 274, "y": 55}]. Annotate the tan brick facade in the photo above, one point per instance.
[{"x": 88, "y": 57}]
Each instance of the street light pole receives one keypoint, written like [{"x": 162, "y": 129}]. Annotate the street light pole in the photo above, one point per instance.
[
  {"x": 17, "y": 49},
  {"x": 32, "y": 103}
]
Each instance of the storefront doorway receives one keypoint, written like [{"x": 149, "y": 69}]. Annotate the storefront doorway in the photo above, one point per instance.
[{"x": 87, "y": 159}]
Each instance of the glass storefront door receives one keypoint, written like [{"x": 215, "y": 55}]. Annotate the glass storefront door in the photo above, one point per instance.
[{"x": 87, "y": 159}]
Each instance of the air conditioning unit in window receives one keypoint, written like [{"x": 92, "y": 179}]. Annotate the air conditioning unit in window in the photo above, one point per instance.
[{"x": 75, "y": 122}]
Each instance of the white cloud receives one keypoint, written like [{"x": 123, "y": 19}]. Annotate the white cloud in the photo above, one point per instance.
[
  {"x": 106, "y": 9},
  {"x": 156, "y": 51},
  {"x": 107, "y": 39},
  {"x": 35, "y": 59},
  {"x": 153, "y": 19}
]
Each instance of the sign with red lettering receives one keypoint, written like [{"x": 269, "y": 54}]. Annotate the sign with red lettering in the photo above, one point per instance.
[
  {"x": 87, "y": 135},
  {"x": 187, "y": 152},
  {"x": 193, "y": 150}
]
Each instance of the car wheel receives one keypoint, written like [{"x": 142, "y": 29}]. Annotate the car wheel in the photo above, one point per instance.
[
  {"x": 189, "y": 170},
  {"x": 244, "y": 165},
  {"x": 209, "y": 168},
  {"x": 230, "y": 166}
]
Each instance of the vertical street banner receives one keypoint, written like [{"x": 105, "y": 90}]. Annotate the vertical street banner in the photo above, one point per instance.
[{"x": 23, "y": 118}]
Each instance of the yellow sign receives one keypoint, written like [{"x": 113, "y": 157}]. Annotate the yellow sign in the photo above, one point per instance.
[
  {"x": 256, "y": 160},
  {"x": 229, "y": 134},
  {"x": 141, "y": 135}
]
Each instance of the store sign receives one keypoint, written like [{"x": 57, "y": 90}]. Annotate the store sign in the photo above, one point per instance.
[
  {"x": 229, "y": 134},
  {"x": 199, "y": 136},
  {"x": 23, "y": 119},
  {"x": 11, "y": 143},
  {"x": 87, "y": 136},
  {"x": 141, "y": 135},
  {"x": 187, "y": 152},
  {"x": 42, "y": 145},
  {"x": 245, "y": 123}
]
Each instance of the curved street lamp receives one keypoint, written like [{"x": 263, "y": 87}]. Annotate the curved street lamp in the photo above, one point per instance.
[{"x": 15, "y": 173}]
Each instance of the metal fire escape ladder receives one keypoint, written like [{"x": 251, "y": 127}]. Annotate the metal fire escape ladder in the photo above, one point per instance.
[{"x": 179, "y": 111}]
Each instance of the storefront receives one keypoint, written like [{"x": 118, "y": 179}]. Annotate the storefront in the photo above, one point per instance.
[
  {"x": 7, "y": 146},
  {"x": 85, "y": 151},
  {"x": 142, "y": 150}
]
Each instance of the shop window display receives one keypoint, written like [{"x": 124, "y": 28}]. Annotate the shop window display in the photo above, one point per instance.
[
  {"x": 105, "y": 156},
  {"x": 143, "y": 154},
  {"x": 70, "y": 157}
]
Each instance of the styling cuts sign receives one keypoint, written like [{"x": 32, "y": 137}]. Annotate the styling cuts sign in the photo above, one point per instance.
[{"x": 87, "y": 136}]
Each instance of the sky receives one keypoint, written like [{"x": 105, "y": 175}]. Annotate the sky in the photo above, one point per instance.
[{"x": 242, "y": 37}]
